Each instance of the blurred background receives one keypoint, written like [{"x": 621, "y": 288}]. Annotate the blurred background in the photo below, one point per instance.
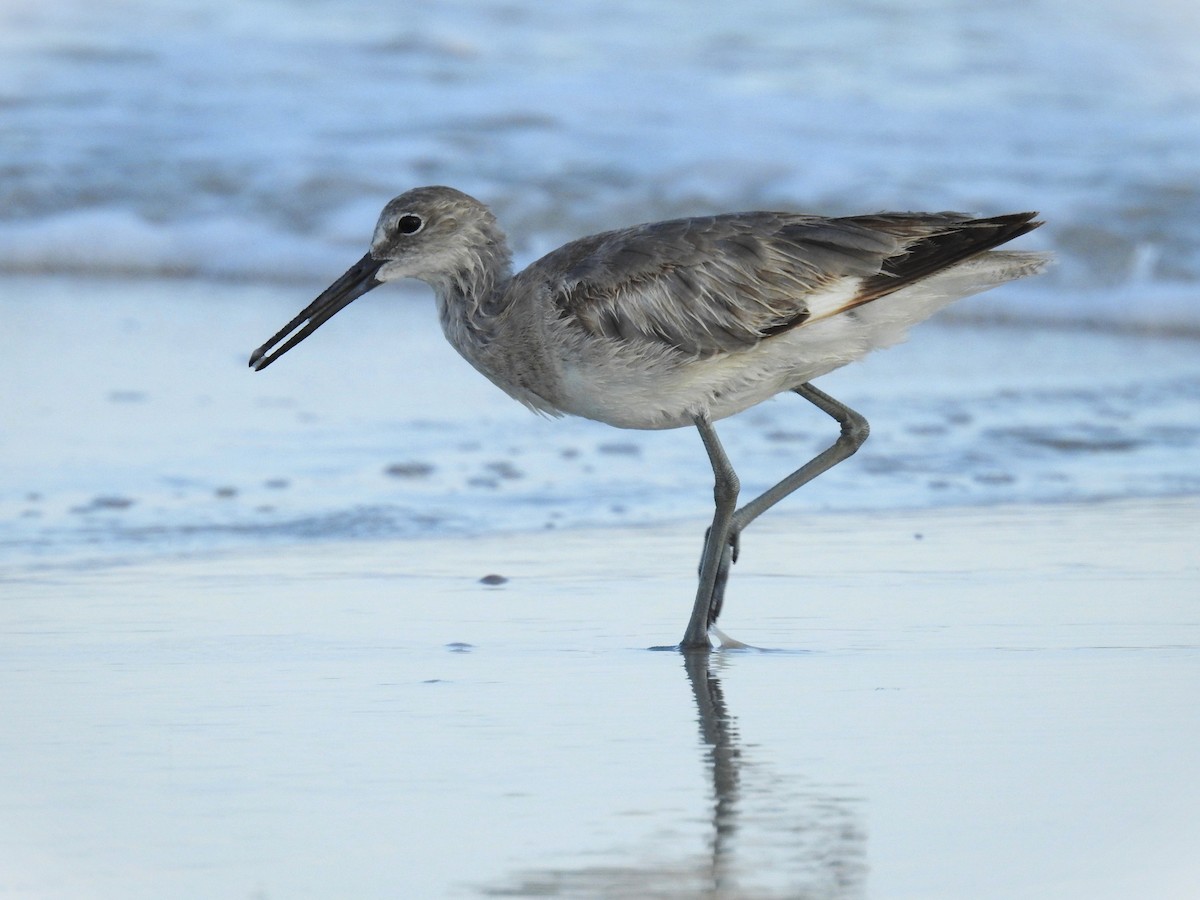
[
  {"x": 179, "y": 178},
  {"x": 259, "y": 140},
  {"x": 213, "y": 683}
]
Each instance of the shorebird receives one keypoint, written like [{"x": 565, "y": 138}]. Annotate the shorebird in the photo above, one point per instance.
[{"x": 682, "y": 322}]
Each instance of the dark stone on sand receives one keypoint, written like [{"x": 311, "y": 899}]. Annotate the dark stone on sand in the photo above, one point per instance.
[
  {"x": 994, "y": 478},
  {"x": 126, "y": 396},
  {"x": 504, "y": 469},
  {"x": 409, "y": 470},
  {"x": 106, "y": 503},
  {"x": 619, "y": 448},
  {"x": 492, "y": 580},
  {"x": 786, "y": 437}
]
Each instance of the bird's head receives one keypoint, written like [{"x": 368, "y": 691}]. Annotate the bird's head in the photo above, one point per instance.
[{"x": 435, "y": 234}]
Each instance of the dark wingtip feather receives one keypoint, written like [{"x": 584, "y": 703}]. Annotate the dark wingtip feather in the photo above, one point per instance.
[{"x": 957, "y": 242}]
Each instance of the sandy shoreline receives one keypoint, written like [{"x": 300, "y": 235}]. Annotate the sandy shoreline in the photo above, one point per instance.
[
  {"x": 133, "y": 428},
  {"x": 1152, "y": 539},
  {"x": 360, "y": 626},
  {"x": 1001, "y": 707},
  {"x": 247, "y": 653}
]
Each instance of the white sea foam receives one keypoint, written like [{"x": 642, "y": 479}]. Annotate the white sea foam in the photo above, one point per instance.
[
  {"x": 114, "y": 241},
  {"x": 223, "y": 140},
  {"x": 215, "y": 140}
]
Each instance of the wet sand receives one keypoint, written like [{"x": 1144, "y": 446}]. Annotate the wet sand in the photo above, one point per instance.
[
  {"x": 250, "y": 648},
  {"x": 988, "y": 702},
  {"x": 133, "y": 428}
]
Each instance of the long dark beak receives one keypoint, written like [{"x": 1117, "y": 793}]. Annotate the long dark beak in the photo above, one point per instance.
[{"x": 359, "y": 279}]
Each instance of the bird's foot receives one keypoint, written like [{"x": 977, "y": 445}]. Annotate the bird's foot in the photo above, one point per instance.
[{"x": 728, "y": 643}]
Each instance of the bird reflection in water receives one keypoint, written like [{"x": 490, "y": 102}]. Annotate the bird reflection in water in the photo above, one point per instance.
[{"x": 771, "y": 835}]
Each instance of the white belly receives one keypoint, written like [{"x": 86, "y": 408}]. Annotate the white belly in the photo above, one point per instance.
[{"x": 667, "y": 391}]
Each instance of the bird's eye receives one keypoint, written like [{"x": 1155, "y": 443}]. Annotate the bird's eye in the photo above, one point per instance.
[{"x": 409, "y": 224}]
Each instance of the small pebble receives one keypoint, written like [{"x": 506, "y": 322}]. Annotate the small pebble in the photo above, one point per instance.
[
  {"x": 621, "y": 448},
  {"x": 504, "y": 469},
  {"x": 493, "y": 580},
  {"x": 994, "y": 478},
  {"x": 107, "y": 503},
  {"x": 409, "y": 470},
  {"x": 786, "y": 437},
  {"x": 126, "y": 396}
]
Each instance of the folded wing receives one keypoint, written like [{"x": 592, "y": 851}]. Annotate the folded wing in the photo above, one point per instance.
[{"x": 723, "y": 283}]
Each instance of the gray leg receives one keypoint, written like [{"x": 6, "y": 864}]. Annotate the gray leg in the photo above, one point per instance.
[
  {"x": 717, "y": 544},
  {"x": 854, "y": 431}
]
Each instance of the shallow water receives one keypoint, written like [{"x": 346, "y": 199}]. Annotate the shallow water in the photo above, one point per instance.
[
  {"x": 1002, "y": 708},
  {"x": 246, "y": 650},
  {"x": 134, "y": 427}
]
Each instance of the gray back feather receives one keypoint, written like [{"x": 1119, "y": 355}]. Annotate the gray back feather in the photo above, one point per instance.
[{"x": 721, "y": 283}]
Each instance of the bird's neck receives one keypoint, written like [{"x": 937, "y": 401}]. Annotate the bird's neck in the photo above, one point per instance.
[{"x": 471, "y": 297}]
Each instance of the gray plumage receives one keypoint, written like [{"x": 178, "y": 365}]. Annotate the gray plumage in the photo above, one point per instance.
[{"x": 679, "y": 322}]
